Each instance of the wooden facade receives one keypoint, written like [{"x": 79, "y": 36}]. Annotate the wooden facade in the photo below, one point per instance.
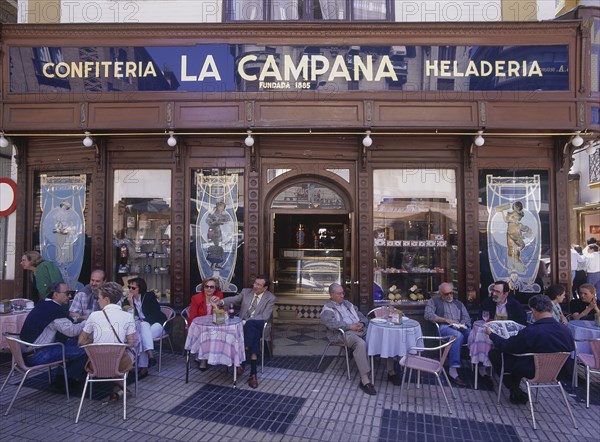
[{"x": 307, "y": 132}]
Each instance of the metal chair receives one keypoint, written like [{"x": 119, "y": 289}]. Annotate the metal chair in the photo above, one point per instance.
[
  {"x": 547, "y": 367},
  {"x": 185, "y": 314},
  {"x": 170, "y": 314},
  {"x": 18, "y": 364},
  {"x": 381, "y": 312},
  {"x": 266, "y": 339},
  {"x": 591, "y": 362},
  {"x": 412, "y": 361},
  {"x": 343, "y": 346},
  {"x": 104, "y": 360},
  {"x": 473, "y": 366}
]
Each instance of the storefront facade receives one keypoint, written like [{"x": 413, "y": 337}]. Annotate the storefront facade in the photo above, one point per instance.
[{"x": 347, "y": 153}]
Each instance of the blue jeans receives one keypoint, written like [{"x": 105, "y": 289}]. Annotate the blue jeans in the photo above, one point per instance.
[
  {"x": 461, "y": 338},
  {"x": 75, "y": 356}
]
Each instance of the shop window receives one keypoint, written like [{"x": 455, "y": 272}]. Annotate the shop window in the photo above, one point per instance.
[
  {"x": 514, "y": 230},
  {"x": 308, "y": 10},
  {"x": 61, "y": 226},
  {"x": 217, "y": 227},
  {"x": 142, "y": 228},
  {"x": 415, "y": 235},
  {"x": 594, "y": 161}
]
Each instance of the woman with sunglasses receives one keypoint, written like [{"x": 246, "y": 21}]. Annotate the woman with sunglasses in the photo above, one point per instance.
[
  {"x": 147, "y": 309},
  {"x": 202, "y": 304}
]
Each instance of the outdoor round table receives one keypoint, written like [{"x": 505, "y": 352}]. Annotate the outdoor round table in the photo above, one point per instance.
[
  {"x": 388, "y": 340},
  {"x": 219, "y": 344},
  {"x": 583, "y": 331}
]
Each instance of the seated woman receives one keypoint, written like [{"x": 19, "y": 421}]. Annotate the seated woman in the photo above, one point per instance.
[
  {"x": 201, "y": 304},
  {"x": 557, "y": 294},
  {"x": 109, "y": 325},
  {"x": 585, "y": 307},
  {"x": 147, "y": 310}
]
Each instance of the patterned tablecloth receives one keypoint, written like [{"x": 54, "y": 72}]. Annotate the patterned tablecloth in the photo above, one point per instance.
[
  {"x": 583, "y": 330},
  {"x": 11, "y": 323},
  {"x": 220, "y": 344},
  {"x": 480, "y": 344}
]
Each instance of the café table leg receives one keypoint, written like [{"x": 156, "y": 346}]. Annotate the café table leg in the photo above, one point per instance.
[
  {"x": 187, "y": 366},
  {"x": 372, "y": 371},
  {"x": 234, "y": 376}
]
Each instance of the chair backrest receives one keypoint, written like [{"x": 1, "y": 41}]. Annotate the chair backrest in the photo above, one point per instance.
[
  {"x": 547, "y": 366},
  {"x": 268, "y": 328},
  {"x": 16, "y": 348},
  {"x": 381, "y": 312},
  {"x": 445, "y": 348},
  {"x": 595, "y": 346},
  {"x": 168, "y": 312},
  {"x": 105, "y": 359},
  {"x": 185, "y": 314}
]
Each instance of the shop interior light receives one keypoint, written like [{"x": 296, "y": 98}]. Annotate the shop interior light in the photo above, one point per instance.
[
  {"x": 172, "y": 141},
  {"x": 577, "y": 141},
  {"x": 249, "y": 141},
  {"x": 3, "y": 140},
  {"x": 367, "y": 140},
  {"x": 88, "y": 141},
  {"x": 479, "y": 140}
]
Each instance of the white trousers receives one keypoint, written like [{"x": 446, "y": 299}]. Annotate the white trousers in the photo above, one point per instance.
[{"x": 147, "y": 335}]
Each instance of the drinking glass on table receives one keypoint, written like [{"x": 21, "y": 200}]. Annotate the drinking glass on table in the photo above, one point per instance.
[{"x": 485, "y": 315}]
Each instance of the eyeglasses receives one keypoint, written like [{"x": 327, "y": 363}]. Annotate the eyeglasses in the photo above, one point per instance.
[
  {"x": 210, "y": 287},
  {"x": 130, "y": 287}
]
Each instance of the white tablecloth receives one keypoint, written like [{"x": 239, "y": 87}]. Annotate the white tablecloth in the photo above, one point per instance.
[
  {"x": 583, "y": 330},
  {"x": 389, "y": 340}
]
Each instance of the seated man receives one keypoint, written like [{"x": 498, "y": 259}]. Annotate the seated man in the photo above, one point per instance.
[
  {"x": 502, "y": 306},
  {"x": 545, "y": 335},
  {"x": 49, "y": 322},
  {"x": 256, "y": 308},
  {"x": 86, "y": 300},
  {"x": 339, "y": 313},
  {"x": 454, "y": 320}
]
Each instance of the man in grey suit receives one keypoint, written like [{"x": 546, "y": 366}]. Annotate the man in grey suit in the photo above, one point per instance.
[{"x": 256, "y": 307}]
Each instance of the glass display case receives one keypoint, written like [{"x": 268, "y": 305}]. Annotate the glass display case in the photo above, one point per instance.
[
  {"x": 142, "y": 230},
  {"x": 415, "y": 237},
  {"x": 308, "y": 271}
]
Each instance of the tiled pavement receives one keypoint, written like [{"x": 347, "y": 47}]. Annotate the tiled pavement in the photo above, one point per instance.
[{"x": 293, "y": 402}]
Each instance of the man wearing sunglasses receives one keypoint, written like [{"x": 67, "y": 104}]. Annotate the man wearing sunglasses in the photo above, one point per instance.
[
  {"x": 453, "y": 319},
  {"x": 256, "y": 307}
]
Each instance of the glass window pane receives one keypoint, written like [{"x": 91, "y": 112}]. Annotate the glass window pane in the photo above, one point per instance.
[
  {"x": 514, "y": 230},
  {"x": 217, "y": 227},
  {"x": 286, "y": 10},
  {"x": 369, "y": 10},
  {"x": 244, "y": 10},
  {"x": 414, "y": 233},
  {"x": 332, "y": 10},
  {"x": 142, "y": 228}
]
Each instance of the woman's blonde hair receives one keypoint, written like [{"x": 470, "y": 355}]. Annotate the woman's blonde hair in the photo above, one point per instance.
[{"x": 34, "y": 257}]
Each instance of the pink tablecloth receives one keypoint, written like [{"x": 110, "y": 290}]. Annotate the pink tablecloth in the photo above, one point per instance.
[
  {"x": 220, "y": 344},
  {"x": 479, "y": 344},
  {"x": 11, "y": 323}
]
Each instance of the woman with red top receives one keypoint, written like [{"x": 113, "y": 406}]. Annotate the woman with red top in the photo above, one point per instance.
[{"x": 201, "y": 304}]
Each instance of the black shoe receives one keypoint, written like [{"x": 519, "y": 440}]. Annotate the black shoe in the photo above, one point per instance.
[
  {"x": 202, "y": 367},
  {"x": 518, "y": 397},
  {"x": 142, "y": 373},
  {"x": 394, "y": 379},
  {"x": 457, "y": 381},
  {"x": 151, "y": 362},
  {"x": 368, "y": 388}
]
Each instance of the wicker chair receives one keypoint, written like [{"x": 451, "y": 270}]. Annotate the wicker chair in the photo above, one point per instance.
[
  {"x": 18, "y": 364},
  {"x": 547, "y": 368},
  {"x": 343, "y": 347},
  {"x": 591, "y": 362},
  {"x": 170, "y": 314},
  {"x": 104, "y": 367},
  {"x": 414, "y": 361}
]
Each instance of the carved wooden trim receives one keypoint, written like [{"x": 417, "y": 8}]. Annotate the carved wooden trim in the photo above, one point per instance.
[
  {"x": 179, "y": 244},
  {"x": 365, "y": 238},
  {"x": 471, "y": 219},
  {"x": 561, "y": 217},
  {"x": 253, "y": 251},
  {"x": 99, "y": 212}
]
